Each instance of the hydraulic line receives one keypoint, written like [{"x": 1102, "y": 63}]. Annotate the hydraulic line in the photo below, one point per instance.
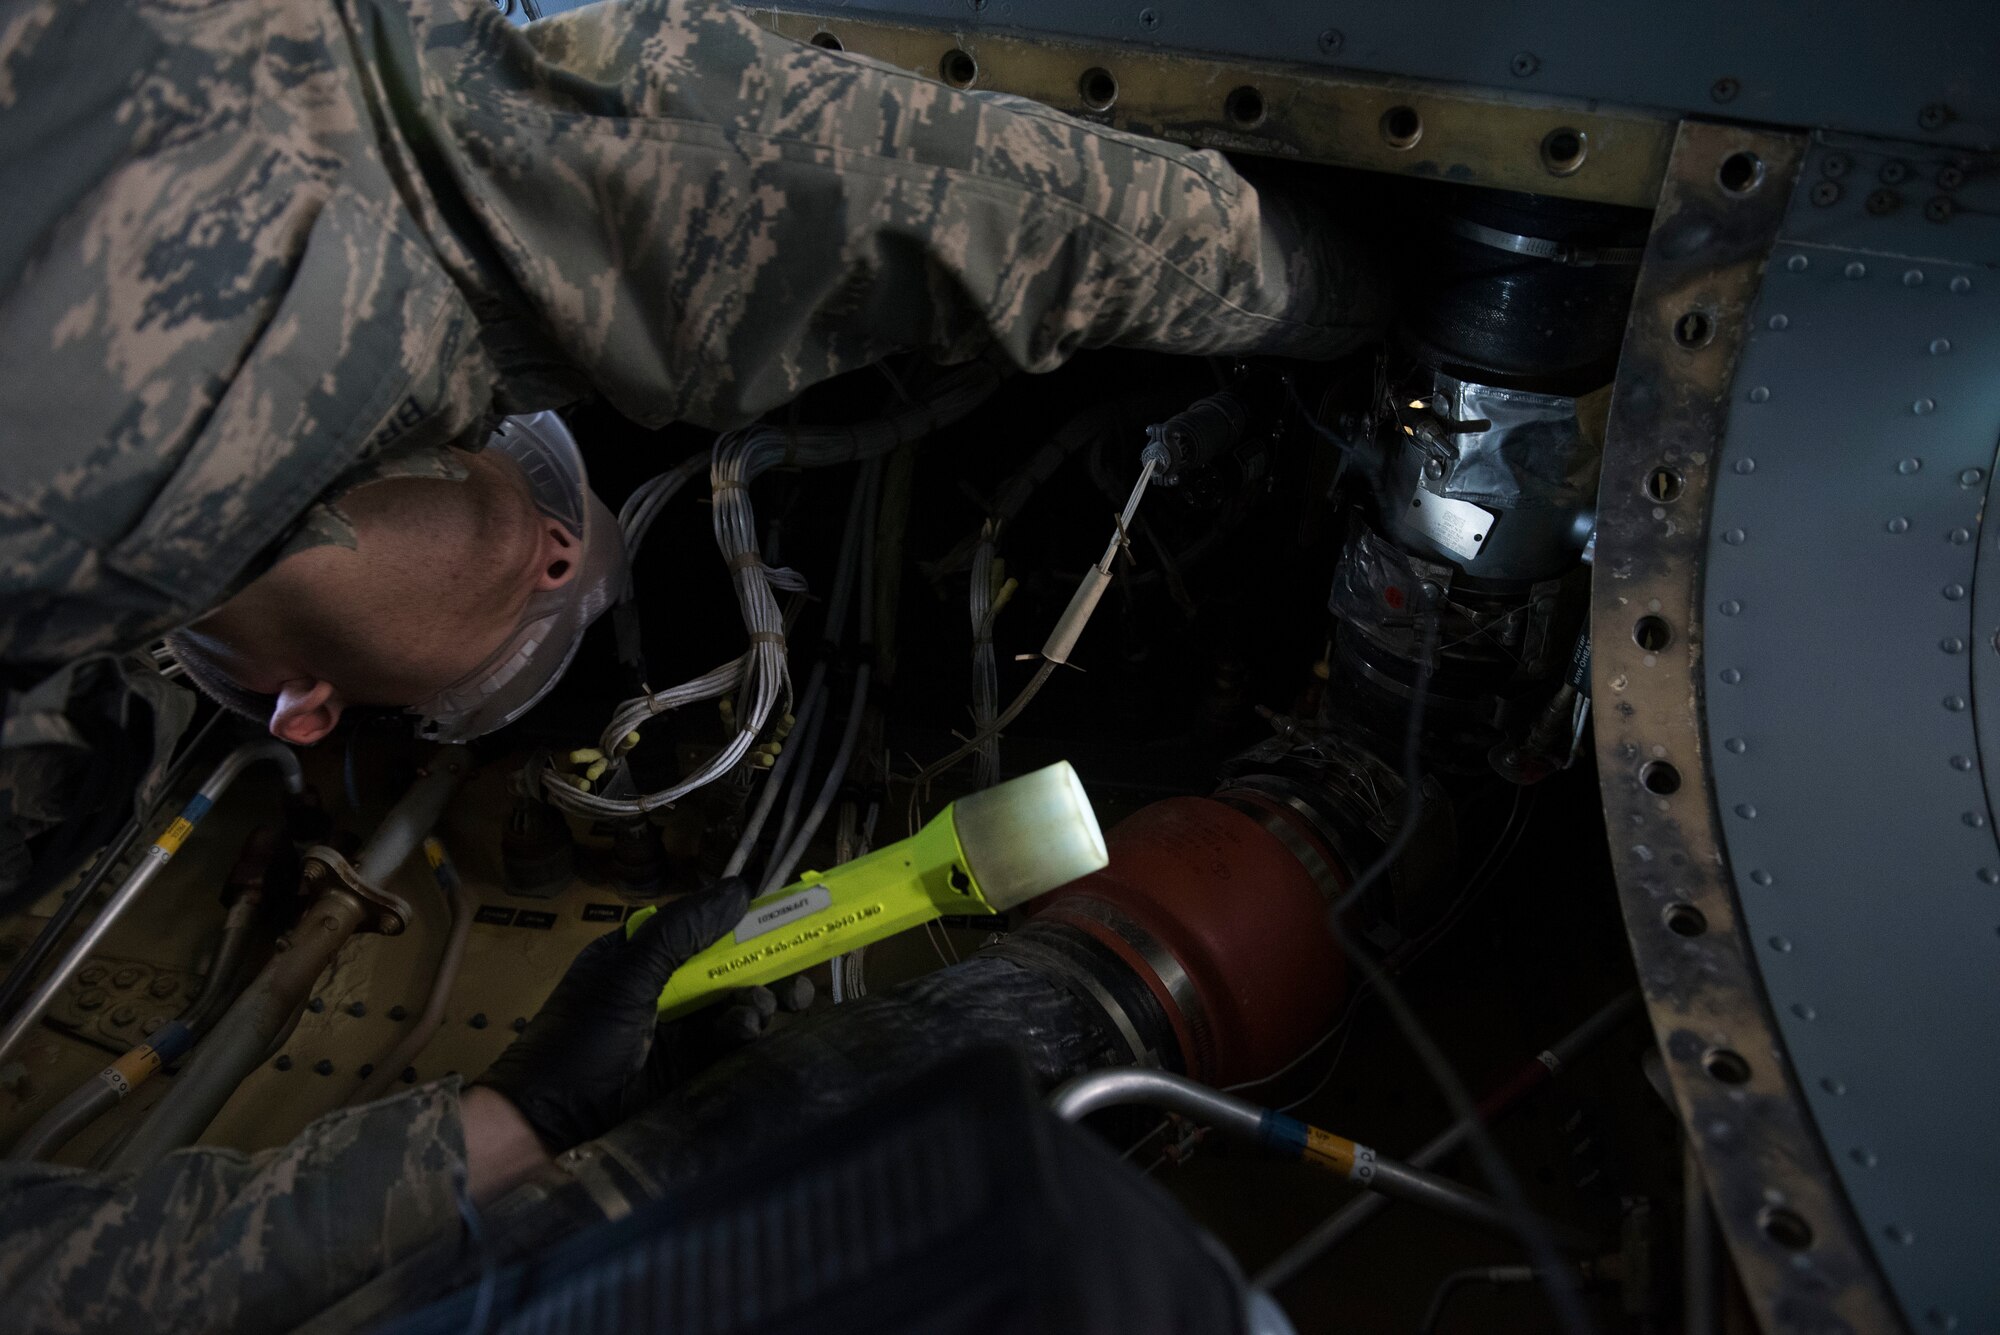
[
  {"x": 141, "y": 876},
  {"x": 273, "y": 999},
  {"x": 1528, "y": 1077},
  {"x": 464, "y": 907},
  {"x": 1289, "y": 1137},
  {"x": 25, "y": 968},
  {"x": 84, "y": 1104}
]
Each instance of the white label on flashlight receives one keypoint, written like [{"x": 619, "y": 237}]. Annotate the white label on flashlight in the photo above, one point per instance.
[{"x": 770, "y": 917}]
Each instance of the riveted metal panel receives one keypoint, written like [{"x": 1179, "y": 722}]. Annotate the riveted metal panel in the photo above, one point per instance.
[
  {"x": 1847, "y": 660},
  {"x": 1920, "y": 72}
]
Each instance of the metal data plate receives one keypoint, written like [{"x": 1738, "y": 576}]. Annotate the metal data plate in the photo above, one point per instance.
[{"x": 1852, "y": 682}]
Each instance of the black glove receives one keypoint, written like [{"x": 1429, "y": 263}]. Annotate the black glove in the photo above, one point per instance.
[{"x": 581, "y": 1066}]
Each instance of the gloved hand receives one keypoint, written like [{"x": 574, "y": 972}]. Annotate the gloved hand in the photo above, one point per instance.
[{"x": 581, "y": 1066}]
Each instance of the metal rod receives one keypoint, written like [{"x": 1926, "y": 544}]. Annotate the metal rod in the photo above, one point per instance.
[
  {"x": 464, "y": 907},
  {"x": 272, "y": 1001},
  {"x": 1275, "y": 1131},
  {"x": 1531, "y": 1075},
  {"x": 141, "y": 876}
]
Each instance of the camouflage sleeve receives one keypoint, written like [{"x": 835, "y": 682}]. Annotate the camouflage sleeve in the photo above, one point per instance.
[
  {"x": 706, "y": 218},
  {"x": 217, "y": 1240}
]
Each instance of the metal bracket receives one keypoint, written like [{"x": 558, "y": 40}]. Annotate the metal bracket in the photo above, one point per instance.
[{"x": 388, "y": 913}]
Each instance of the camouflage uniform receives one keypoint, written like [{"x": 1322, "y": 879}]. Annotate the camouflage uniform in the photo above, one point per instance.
[
  {"x": 212, "y": 1240},
  {"x": 250, "y": 247}
]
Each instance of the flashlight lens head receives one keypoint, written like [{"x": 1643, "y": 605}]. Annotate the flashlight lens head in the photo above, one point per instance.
[{"x": 1027, "y": 836}]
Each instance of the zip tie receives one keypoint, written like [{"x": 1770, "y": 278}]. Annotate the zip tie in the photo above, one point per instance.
[
  {"x": 744, "y": 560},
  {"x": 767, "y": 637}
]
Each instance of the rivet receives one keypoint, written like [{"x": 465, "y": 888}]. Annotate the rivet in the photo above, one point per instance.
[
  {"x": 1855, "y": 269},
  {"x": 1989, "y": 876},
  {"x": 282, "y": 1061},
  {"x": 1832, "y": 1086},
  {"x": 1896, "y": 1233},
  {"x": 1746, "y": 811},
  {"x": 478, "y": 1021},
  {"x": 1745, "y": 467},
  {"x": 316, "y": 1005},
  {"x": 1781, "y": 945},
  {"x": 1963, "y": 764},
  {"x": 1909, "y": 466},
  {"x": 1736, "y": 746},
  {"x": 1865, "y": 1157},
  {"x": 1778, "y": 322},
  {"x": 1803, "y": 1011},
  {"x": 1955, "y": 703},
  {"x": 1734, "y": 537},
  {"x": 1924, "y": 407},
  {"x": 324, "y": 1066},
  {"x": 1951, "y": 644},
  {"x": 1976, "y": 819},
  {"x": 1971, "y": 477},
  {"x": 1799, "y": 263},
  {"x": 1729, "y": 607},
  {"x": 1898, "y": 525},
  {"x": 1961, "y": 285},
  {"x": 1913, "y": 278},
  {"x": 1730, "y": 676},
  {"x": 1959, "y": 536},
  {"x": 1940, "y": 346},
  {"x": 1760, "y": 395},
  {"x": 1941, "y": 1319},
  {"x": 1761, "y": 877},
  {"x": 1953, "y": 592}
]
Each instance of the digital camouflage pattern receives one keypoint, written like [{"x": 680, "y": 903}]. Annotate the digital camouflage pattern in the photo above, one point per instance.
[
  {"x": 253, "y": 250},
  {"x": 214, "y": 1240},
  {"x": 250, "y": 244}
]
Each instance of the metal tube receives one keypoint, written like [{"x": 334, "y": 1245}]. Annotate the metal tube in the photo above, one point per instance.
[
  {"x": 156, "y": 857},
  {"x": 272, "y": 1001},
  {"x": 464, "y": 906},
  {"x": 1531, "y": 1076},
  {"x": 1273, "y": 1130}
]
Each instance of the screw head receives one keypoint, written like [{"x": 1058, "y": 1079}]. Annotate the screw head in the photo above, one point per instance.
[
  {"x": 1331, "y": 41},
  {"x": 162, "y": 986},
  {"x": 1524, "y": 64},
  {"x": 92, "y": 999},
  {"x": 1934, "y": 116},
  {"x": 1149, "y": 19},
  {"x": 324, "y": 1066},
  {"x": 1826, "y": 193},
  {"x": 1894, "y": 172},
  {"x": 283, "y": 1061},
  {"x": 1938, "y": 209},
  {"x": 1950, "y": 178},
  {"x": 1883, "y": 201},
  {"x": 1724, "y": 90},
  {"x": 1834, "y": 165},
  {"x": 91, "y": 973}
]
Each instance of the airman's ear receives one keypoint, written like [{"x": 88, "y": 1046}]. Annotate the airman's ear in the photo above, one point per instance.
[
  {"x": 307, "y": 710},
  {"x": 561, "y": 555}
]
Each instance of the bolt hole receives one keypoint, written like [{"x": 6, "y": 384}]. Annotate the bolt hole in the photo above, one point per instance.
[
  {"x": 1402, "y": 127},
  {"x": 1563, "y": 150},
  {"x": 1663, "y": 485},
  {"x": 1694, "y": 329},
  {"x": 827, "y": 41},
  {"x": 1660, "y": 777},
  {"x": 1244, "y": 105},
  {"x": 1728, "y": 1067},
  {"x": 1740, "y": 173},
  {"x": 1098, "y": 88},
  {"x": 1652, "y": 633},
  {"x": 958, "y": 68},
  {"x": 1685, "y": 920},
  {"x": 1785, "y": 1227}
]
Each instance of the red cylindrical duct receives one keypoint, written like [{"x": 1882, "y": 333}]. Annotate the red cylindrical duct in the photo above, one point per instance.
[{"x": 1215, "y": 911}]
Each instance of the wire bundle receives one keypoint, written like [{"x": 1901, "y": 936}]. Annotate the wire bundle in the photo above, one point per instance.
[{"x": 761, "y": 674}]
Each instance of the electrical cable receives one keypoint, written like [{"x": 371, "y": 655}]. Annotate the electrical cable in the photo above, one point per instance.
[
  {"x": 762, "y": 673},
  {"x": 1557, "y": 1278},
  {"x": 809, "y": 706}
]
